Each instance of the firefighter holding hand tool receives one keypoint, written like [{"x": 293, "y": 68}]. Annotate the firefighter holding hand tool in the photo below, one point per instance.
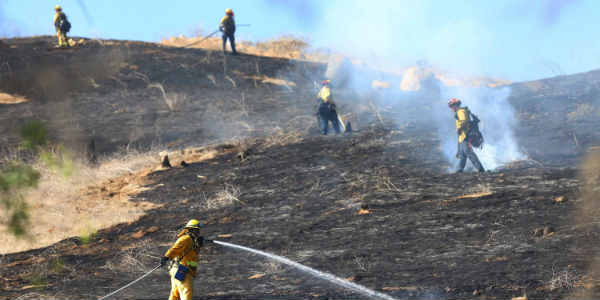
[
  {"x": 327, "y": 109},
  {"x": 184, "y": 260},
  {"x": 227, "y": 27},
  {"x": 463, "y": 124}
]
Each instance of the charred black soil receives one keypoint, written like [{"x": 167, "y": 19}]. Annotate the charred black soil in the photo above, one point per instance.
[{"x": 376, "y": 207}]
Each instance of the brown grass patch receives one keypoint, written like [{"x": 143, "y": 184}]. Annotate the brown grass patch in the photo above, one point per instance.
[
  {"x": 78, "y": 205},
  {"x": 281, "y": 47},
  {"x": 93, "y": 197}
]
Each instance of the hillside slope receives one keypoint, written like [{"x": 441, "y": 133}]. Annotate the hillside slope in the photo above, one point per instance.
[{"x": 376, "y": 207}]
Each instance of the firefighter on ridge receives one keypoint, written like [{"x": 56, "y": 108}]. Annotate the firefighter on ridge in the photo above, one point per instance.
[
  {"x": 184, "y": 260},
  {"x": 326, "y": 109},
  {"x": 62, "y": 26},
  {"x": 465, "y": 149},
  {"x": 227, "y": 27}
]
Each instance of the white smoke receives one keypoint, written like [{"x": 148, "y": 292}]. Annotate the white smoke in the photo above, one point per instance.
[{"x": 498, "y": 122}]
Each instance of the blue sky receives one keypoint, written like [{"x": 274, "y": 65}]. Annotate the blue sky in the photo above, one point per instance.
[{"x": 510, "y": 39}]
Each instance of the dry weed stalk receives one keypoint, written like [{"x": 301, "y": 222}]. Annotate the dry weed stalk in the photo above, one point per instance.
[
  {"x": 565, "y": 279},
  {"x": 212, "y": 79},
  {"x": 385, "y": 184},
  {"x": 242, "y": 106},
  {"x": 174, "y": 101},
  {"x": 224, "y": 198},
  {"x": 272, "y": 267},
  {"x": 375, "y": 109},
  {"x": 282, "y": 138},
  {"x": 362, "y": 263},
  {"x": 231, "y": 80}
]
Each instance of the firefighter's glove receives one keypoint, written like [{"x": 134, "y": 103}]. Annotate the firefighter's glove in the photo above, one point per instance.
[{"x": 163, "y": 261}]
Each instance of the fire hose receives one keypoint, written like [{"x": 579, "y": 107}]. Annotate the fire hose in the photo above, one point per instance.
[
  {"x": 202, "y": 40},
  {"x": 210, "y": 35},
  {"x": 131, "y": 283}
]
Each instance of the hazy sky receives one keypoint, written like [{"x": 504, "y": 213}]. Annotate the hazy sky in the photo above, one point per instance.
[{"x": 511, "y": 39}]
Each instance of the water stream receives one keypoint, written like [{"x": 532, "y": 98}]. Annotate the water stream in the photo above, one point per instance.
[{"x": 323, "y": 275}]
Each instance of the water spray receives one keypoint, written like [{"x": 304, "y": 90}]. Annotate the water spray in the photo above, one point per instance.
[{"x": 322, "y": 275}]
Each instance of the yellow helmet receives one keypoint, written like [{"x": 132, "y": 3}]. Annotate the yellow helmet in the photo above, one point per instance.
[
  {"x": 228, "y": 11},
  {"x": 57, "y": 8},
  {"x": 193, "y": 223}
]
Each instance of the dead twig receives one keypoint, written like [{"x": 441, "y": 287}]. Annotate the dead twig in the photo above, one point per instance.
[{"x": 231, "y": 80}]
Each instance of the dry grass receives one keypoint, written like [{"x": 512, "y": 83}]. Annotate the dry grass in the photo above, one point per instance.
[
  {"x": 11, "y": 99},
  {"x": 362, "y": 263},
  {"x": 282, "y": 137},
  {"x": 228, "y": 196},
  {"x": 583, "y": 111},
  {"x": 282, "y": 47},
  {"x": 271, "y": 267},
  {"x": 565, "y": 279},
  {"x": 477, "y": 191},
  {"x": 80, "y": 204},
  {"x": 174, "y": 101},
  {"x": 138, "y": 259},
  {"x": 385, "y": 184}
]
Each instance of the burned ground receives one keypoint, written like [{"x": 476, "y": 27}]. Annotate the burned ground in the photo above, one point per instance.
[
  {"x": 131, "y": 93},
  {"x": 376, "y": 207}
]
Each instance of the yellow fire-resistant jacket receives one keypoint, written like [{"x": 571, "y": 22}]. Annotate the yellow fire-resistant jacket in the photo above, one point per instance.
[
  {"x": 227, "y": 24},
  {"x": 57, "y": 17},
  {"x": 462, "y": 123},
  {"x": 184, "y": 246},
  {"x": 325, "y": 94}
]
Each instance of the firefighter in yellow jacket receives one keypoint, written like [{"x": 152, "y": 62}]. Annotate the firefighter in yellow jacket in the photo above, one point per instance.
[
  {"x": 227, "y": 27},
  {"x": 464, "y": 149},
  {"x": 60, "y": 24},
  {"x": 184, "y": 257},
  {"x": 327, "y": 110}
]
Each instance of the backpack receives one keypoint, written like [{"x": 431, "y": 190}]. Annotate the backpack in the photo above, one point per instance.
[
  {"x": 474, "y": 135},
  {"x": 65, "y": 25}
]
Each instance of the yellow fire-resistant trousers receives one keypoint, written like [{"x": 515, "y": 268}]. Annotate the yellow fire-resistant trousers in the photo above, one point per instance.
[
  {"x": 62, "y": 39},
  {"x": 180, "y": 290}
]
